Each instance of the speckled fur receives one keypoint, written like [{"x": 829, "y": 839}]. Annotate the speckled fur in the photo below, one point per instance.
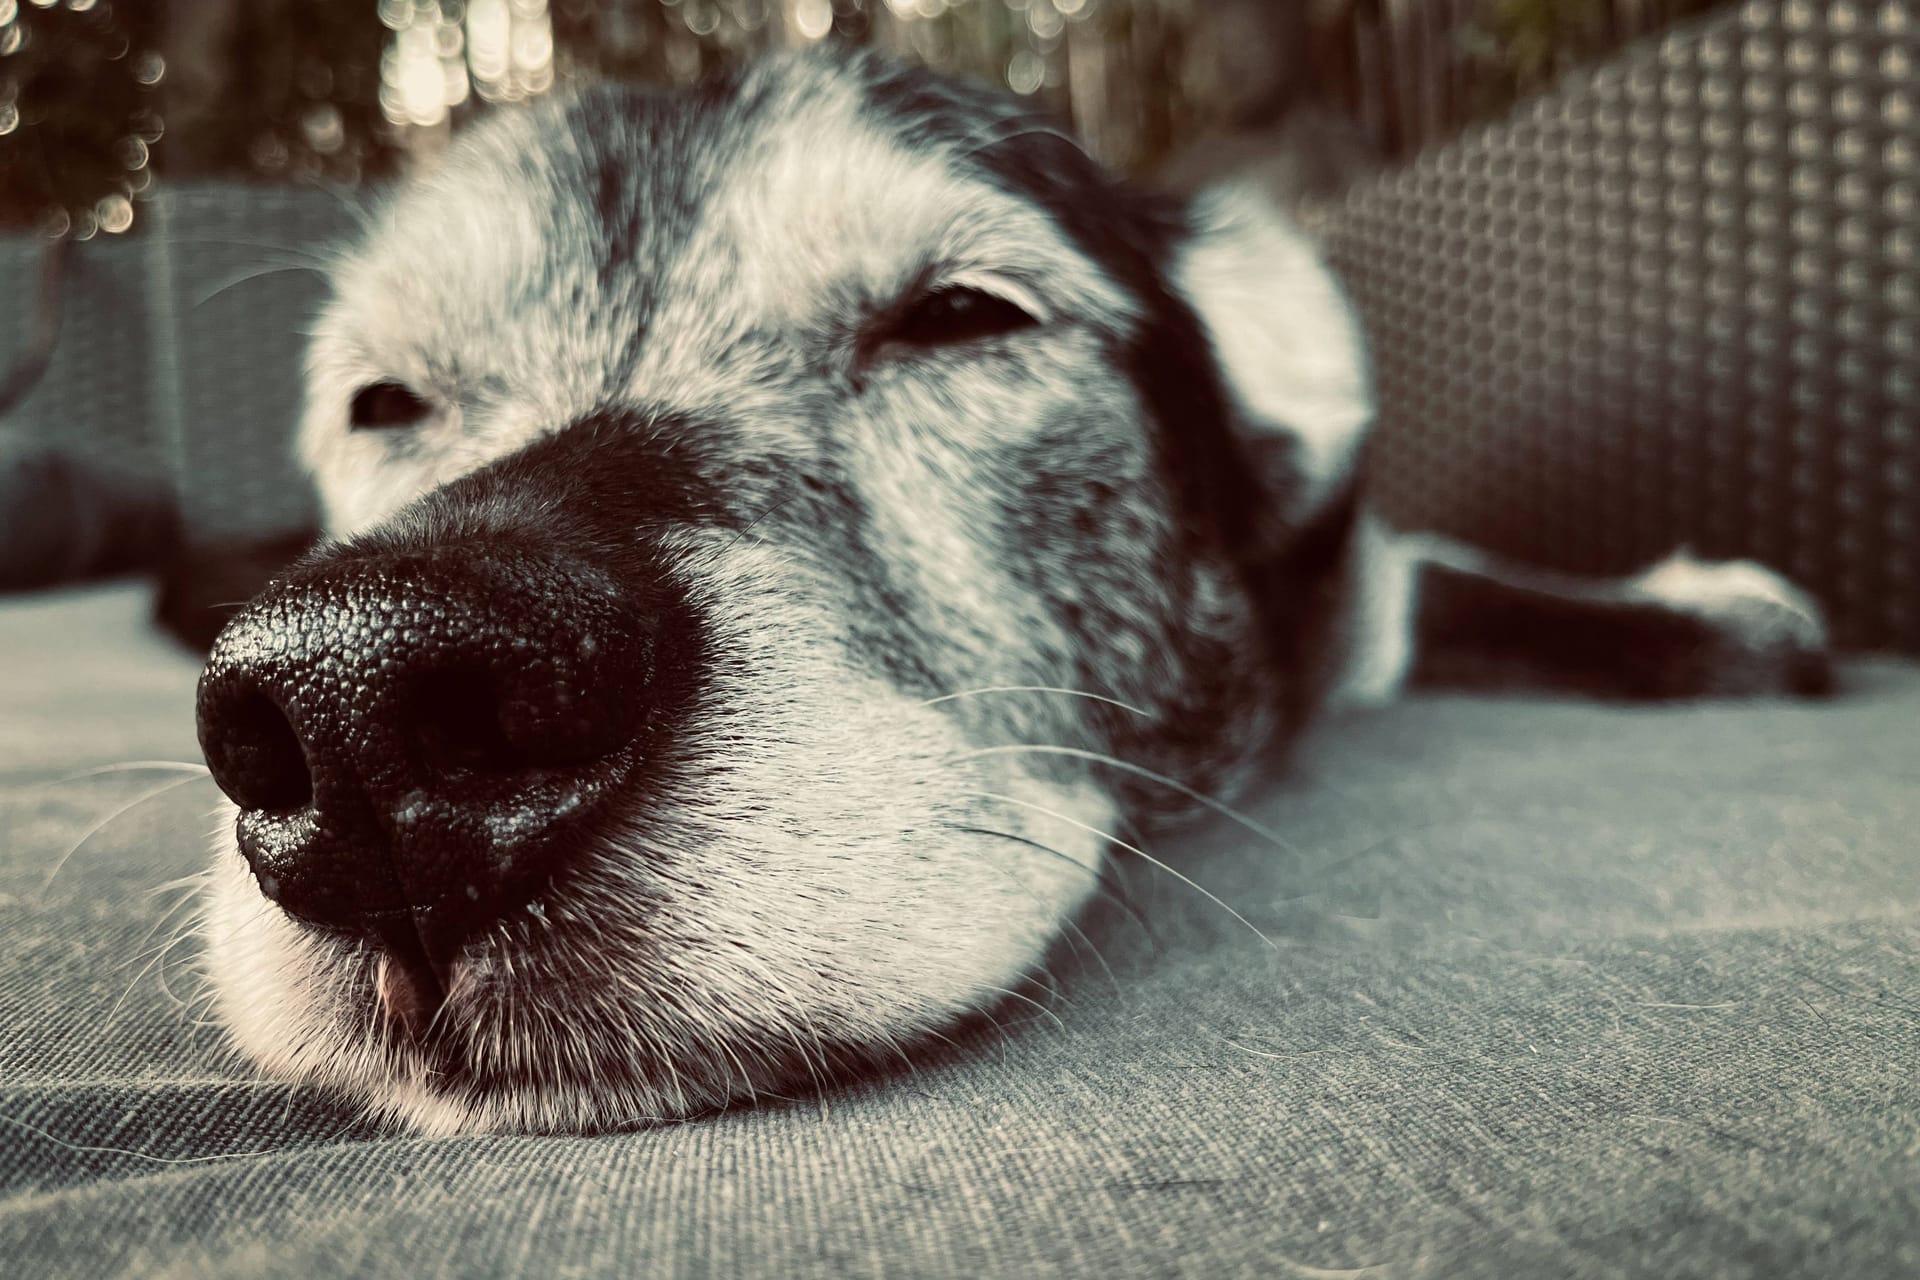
[{"x": 809, "y": 883}]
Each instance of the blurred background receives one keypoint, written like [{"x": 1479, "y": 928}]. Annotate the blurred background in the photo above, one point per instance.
[
  {"x": 100, "y": 98},
  {"x": 1640, "y": 273}
]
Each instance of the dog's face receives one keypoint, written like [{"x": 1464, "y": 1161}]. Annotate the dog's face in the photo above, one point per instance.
[{"x": 764, "y": 515}]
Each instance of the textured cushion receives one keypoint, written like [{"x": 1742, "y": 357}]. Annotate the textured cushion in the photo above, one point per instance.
[
  {"x": 1674, "y": 301},
  {"x": 1552, "y": 989}
]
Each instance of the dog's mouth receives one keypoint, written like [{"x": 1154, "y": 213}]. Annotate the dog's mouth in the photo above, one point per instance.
[
  {"x": 412, "y": 990},
  {"x": 646, "y": 991},
  {"x": 443, "y": 1018}
]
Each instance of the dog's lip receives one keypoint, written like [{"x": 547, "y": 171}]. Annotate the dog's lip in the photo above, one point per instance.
[{"x": 411, "y": 990}]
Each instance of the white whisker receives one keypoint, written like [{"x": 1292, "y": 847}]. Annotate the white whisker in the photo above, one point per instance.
[
  {"x": 257, "y": 273},
  {"x": 1101, "y": 888},
  {"x": 1067, "y": 923},
  {"x": 1011, "y": 994},
  {"x": 108, "y": 821},
  {"x": 131, "y": 766},
  {"x": 45, "y": 1136},
  {"x": 182, "y": 931},
  {"x": 1038, "y": 688},
  {"x": 1023, "y": 129},
  {"x": 194, "y": 880},
  {"x": 321, "y": 258},
  {"x": 166, "y": 917},
  {"x": 1077, "y": 932},
  {"x": 1138, "y": 852},
  {"x": 1078, "y": 753}
]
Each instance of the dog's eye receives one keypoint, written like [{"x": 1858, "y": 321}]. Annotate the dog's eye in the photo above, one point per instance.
[
  {"x": 383, "y": 406},
  {"x": 957, "y": 314}
]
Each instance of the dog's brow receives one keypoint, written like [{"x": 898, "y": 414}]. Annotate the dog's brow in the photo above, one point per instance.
[{"x": 834, "y": 208}]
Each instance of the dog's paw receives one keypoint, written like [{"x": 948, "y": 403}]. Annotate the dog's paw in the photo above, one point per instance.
[{"x": 1764, "y": 635}]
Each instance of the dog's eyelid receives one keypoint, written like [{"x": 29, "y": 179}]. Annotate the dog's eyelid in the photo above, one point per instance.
[
  {"x": 953, "y": 309},
  {"x": 1007, "y": 288}
]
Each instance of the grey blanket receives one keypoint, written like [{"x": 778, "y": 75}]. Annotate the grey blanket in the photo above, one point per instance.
[{"x": 1545, "y": 989}]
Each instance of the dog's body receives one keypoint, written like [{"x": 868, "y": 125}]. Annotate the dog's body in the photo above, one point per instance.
[{"x": 783, "y": 529}]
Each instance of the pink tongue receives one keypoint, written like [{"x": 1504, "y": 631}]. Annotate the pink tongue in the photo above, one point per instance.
[{"x": 411, "y": 994}]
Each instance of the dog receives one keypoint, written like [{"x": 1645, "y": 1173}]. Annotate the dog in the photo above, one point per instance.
[{"x": 778, "y": 531}]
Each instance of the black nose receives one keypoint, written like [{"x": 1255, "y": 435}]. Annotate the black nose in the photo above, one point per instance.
[{"x": 416, "y": 738}]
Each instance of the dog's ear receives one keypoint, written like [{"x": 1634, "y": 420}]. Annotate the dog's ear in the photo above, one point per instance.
[{"x": 1286, "y": 340}]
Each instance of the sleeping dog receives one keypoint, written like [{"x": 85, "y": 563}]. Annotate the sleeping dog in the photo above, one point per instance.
[{"x": 779, "y": 532}]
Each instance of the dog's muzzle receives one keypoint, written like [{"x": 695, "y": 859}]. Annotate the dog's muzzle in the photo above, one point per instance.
[{"x": 417, "y": 737}]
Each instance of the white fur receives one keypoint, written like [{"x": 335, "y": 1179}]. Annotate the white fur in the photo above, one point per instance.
[
  {"x": 819, "y": 847},
  {"x": 808, "y": 883},
  {"x": 807, "y": 878},
  {"x": 1288, "y": 340},
  {"x": 1378, "y": 640},
  {"x": 1768, "y": 605},
  {"x": 1685, "y": 581}
]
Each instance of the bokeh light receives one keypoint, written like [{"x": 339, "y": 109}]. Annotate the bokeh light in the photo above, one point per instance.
[{"x": 342, "y": 92}]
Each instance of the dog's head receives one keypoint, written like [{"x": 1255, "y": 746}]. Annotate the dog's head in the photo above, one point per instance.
[{"x": 780, "y": 529}]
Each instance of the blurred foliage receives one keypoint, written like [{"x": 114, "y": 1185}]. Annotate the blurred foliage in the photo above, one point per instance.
[
  {"x": 278, "y": 89},
  {"x": 78, "y": 113},
  {"x": 273, "y": 89},
  {"x": 311, "y": 90},
  {"x": 1519, "y": 46}
]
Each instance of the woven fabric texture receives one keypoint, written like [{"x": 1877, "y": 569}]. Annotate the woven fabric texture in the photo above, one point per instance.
[
  {"x": 181, "y": 350},
  {"x": 1553, "y": 990}
]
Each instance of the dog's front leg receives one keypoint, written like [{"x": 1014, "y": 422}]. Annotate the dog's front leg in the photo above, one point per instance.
[{"x": 1682, "y": 628}]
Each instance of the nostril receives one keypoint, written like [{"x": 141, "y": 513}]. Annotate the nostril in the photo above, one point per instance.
[
  {"x": 541, "y": 716},
  {"x": 259, "y": 762},
  {"x": 456, "y": 722}
]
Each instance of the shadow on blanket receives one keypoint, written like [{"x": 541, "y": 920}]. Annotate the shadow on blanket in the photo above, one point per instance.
[{"x": 68, "y": 516}]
